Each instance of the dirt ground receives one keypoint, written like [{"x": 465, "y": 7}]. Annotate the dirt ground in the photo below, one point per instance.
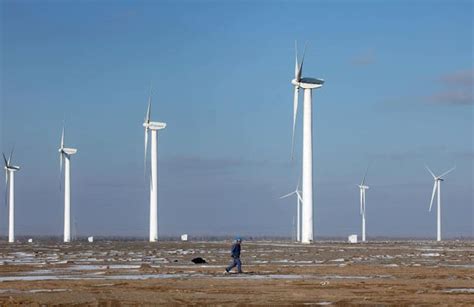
[{"x": 110, "y": 273}]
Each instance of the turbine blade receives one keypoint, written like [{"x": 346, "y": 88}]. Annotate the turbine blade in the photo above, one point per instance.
[
  {"x": 62, "y": 137},
  {"x": 7, "y": 181},
  {"x": 433, "y": 195},
  {"x": 146, "y": 150},
  {"x": 432, "y": 174},
  {"x": 296, "y": 61},
  {"x": 148, "y": 110},
  {"x": 287, "y": 195},
  {"x": 11, "y": 155},
  {"x": 300, "y": 70},
  {"x": 5, "y": 160},
  {"x": 365, "y": 175},
  {"x": 61, "y": 157},
  {"x": 299, "y": 196},
  {"x": 147, "y": 120},
  {"x": 447, "y": 172},
  {"x": 295, "y": 113}
]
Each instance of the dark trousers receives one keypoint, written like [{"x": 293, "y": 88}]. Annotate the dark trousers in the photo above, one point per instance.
[{"x": 235, "y": 263}]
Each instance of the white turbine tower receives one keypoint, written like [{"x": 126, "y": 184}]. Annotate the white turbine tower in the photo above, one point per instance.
[
  {"x": 10, "y": 185},
  {"x": 153, "y": 127},
  {"x": 65, "y": 157},
  {"x": 437, "y": 188},
  {"x": 299, "y": 200},
  {"x": 308, "y": 84},
  {"x": 362, "y": 188}
]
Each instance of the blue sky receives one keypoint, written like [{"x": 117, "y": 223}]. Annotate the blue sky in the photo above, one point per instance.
[{"x": 398, "y": 94}]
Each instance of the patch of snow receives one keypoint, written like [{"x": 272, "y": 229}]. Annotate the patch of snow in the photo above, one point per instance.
[
  {"x": 459, "y": 290},
  {"x": 338, "y": 260},
  {"x": 430, "y": 255}
]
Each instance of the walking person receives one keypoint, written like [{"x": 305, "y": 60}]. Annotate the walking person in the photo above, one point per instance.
[{"x": 235, "y": 254}]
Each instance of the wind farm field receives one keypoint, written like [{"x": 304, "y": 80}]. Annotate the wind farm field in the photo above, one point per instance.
[{"x": 275, "y": 272}]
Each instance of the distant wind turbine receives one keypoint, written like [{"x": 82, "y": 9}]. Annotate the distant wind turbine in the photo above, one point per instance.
[
  {"x": 437, "y": 188},
  {"x": 10, "y": 184},
  {"x": 308, "y": 84},
  {"x": 362, "y": 187},
  {"x": 153, "y": 127},
  {"x": 65, "y": 157},
  {"x": 299, "y": 200}
]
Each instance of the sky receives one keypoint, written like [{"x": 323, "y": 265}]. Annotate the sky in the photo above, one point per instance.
[{"x": 398, "y": 95}]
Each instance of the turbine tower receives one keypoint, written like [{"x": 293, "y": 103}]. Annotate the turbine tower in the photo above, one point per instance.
[
  {"x": 10, "y": 185},
  {"x": 437, "y": 188},
  {"x": 362, "y": 187},
  {"x": 299, "y": 200},
  {"x": 65, "y": 157},
  {"x": 153, "y": 127},
  {"x": 308, "y": 84}
]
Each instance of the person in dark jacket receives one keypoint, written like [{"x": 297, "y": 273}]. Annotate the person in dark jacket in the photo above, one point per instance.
[{"x": 235, "y": 254}]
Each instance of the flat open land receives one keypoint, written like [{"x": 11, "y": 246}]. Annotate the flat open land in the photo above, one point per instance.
[{"x": 138, "y": 273}]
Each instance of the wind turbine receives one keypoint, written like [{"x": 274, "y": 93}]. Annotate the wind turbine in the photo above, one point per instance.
[
  {"x": 308, "y": 84},
  {"x": 153, "y": 127},
  {"x": 10, "y": 184},
  {"x": 299, "y": 200},
  {"x": 437, "y": 188},
  {"x": 65, "y": 157},
  {"x": 362, "y": 188}
]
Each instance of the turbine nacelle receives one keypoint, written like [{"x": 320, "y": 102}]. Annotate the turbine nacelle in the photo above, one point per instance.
[
  {"x": 308, "y": 83},
  {"x": 440, "y": 177},
  {"x": 154, "y": 125},
  {"x": 12, "y": 168},
  {"x": 7, "y": 163},
  {"x": 364, "y": 187},
  {"x": 68, "y": 151}
]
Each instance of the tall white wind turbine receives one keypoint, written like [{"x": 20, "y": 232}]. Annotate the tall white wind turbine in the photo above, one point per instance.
[
  {"x": 308, "y": 84},
  {"x": 362, "y": 187},
  {"x": 10, "y": 185},
  {"x": 437, "y": 190},
  {"x": 65, "y": 157},
  {"x": 299, "y": 200},
  {"x": 153, "y": 127}
]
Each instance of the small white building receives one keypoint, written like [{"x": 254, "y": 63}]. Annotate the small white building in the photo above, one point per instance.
[
  {"x": 352, "y": 239},
  {"x": 90, "y": 239},
  {"x": 184, "y": 237}
]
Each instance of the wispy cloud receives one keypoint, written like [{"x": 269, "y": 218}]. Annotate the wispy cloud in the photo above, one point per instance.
[
  {"x": 457, "y": 89},
  {"x": 459, "y": 78},
  {"x": 453, "y": 89},
  {"x": 452, "y": 97},
  {"x": 364, "y": 59}
]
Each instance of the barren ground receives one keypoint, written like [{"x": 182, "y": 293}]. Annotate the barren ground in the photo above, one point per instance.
[{"x": 136, "y": 273}]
